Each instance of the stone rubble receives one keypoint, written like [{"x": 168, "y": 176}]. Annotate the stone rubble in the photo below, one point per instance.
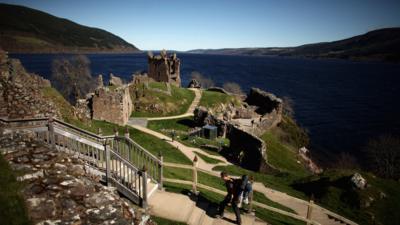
[{"x": 57, "y": 188}]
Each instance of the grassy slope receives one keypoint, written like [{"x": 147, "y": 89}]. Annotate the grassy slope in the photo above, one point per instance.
[
  {"x": 208, "y": 159},
  {"x": 211, "y": 99},
  {"x": 12, "y": 205},
  {"x": 184, "y": 124},
  {"x": 162, "y": 221},
  {"x": 176, "y": 104}
]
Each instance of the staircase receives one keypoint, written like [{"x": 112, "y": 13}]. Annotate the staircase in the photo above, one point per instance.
[
  {"x": 118, "y": 161},
  {"x": 192, "y": 211}
]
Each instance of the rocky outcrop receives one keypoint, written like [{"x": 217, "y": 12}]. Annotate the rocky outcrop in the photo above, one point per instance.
[
  {"x": 58, "y": 187},
  {"x": 21, "y": 93},
  {"x": 115, "y": 81},
  {"x": 358, "y": 181},
  {"x": 194, "y": 84}
]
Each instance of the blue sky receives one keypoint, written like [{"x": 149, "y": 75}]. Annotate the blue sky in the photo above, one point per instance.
[{"x": 184, "y": 25}]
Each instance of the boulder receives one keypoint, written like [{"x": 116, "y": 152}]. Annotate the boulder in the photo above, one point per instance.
[
  {"x": 194, "y": 84},
  {"x": 359, "y": 181}
]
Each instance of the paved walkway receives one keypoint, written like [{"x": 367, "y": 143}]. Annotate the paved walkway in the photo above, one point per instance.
[{"x": 298, "y": 205}]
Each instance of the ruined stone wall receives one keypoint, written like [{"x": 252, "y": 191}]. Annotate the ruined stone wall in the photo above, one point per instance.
[
  {"x": 114, "y": 106},
  {"x": 21, "y": 93},
  {"x": 162, "y": 68},
  {"x": 254, "y": 150},
  {"x": 266, "y": 102}
]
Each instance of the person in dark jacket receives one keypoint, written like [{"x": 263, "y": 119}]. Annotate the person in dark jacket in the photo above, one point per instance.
[{"x": 233, "y": 187}]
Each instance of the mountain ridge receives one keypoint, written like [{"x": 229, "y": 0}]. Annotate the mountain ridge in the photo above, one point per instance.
[
  {"x": 26, "y": 30},
  {"x": 378, "y": 45}
]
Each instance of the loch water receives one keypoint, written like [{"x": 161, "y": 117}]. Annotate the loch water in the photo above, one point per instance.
[{"x": 343, "y": 104}]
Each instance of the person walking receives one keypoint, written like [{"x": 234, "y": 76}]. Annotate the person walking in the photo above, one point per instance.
[{"x": 233, "y": 187}]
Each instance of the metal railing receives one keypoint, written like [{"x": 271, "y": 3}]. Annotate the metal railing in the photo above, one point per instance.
[{"x": 120, "y": 161}]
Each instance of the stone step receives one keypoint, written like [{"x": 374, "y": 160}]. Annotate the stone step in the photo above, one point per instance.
[
  {"x": 195, "y": 216},
  {"x": 171, "y": 206}
]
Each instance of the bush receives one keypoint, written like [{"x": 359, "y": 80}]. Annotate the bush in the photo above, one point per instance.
[
  {"x": 233, "y": 88},
  {"x": 204, "y": 81}
]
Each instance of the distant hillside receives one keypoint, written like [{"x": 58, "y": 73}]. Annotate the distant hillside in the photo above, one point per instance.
[
  {"x": 381, "y": 45},
  {"x": 25, "y": 30}
]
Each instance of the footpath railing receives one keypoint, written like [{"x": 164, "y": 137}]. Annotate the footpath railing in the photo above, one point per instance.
[
  {"x": 120, "y": 161},
  {"x": 195, "y": 185}
]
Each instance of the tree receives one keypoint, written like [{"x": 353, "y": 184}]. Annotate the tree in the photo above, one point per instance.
[
  {"x": 233, "y": 87},
  {"x": 346, "y": 161},
  {"x": 72, "y": 77},
  {"x": 383, "y": 156},
  {"x": 204, "y": 81}
]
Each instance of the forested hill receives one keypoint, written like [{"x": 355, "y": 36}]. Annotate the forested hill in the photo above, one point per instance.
[
  {"x": 26, "y": 30},
  {"x": 381, "y": 45}
]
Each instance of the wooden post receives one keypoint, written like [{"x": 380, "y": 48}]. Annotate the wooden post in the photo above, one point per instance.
[
  {"x": 52, "y": 138},
  {"x": 144, "y": 187},
  {"x": 194, "y": 187},
  {"x": 99, "y": 131},
  {"x": 160, "y": 185},
  {"x": 309, "y": 211},
  {"x": 108, "y": 164},
  {"x": 126, "y": 132}
]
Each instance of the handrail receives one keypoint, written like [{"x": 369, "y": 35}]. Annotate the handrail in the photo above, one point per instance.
[{"x": 141, "y": 148}]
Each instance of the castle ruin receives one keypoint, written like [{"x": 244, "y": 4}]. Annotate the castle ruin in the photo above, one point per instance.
[{"x": 164, "y": 68}]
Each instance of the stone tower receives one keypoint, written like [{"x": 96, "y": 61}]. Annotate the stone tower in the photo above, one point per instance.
[{"x": 164, "y": 68}]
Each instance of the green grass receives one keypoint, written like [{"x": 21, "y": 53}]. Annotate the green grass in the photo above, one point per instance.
[
  {"x": 158, "y": 85},
  {"x": 63, "y": 105},
  {"x": 182, "y": 126},
  {"x": 333, "y": 190},
  {"x": 281, "y": 181},
  {"x": 162, "y": 221},
  {"x": 176, "y": 104},
  {"x": 211, "y": 99},
  {"x": 12, "y": 205},
  {"x": 147, "y": 141},
  {"x": 214, "y": 199},
  {"x": 282, "y": 156},
  {"x": 208, "y": 159}
]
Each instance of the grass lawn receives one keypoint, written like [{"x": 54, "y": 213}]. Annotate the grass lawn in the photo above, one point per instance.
[
  {"x": 12, "y": 205},
  {"x": 147, "y": 141},
  {"x": 182, "y": 126},
  {"x": 282, "y": 156},
  {"x": 214, "y": 199},
  {"x": 159, "y": 85},
  {"x": 210, "y": 99},
  {"x": 162, "y": 221},
  {"x": 175, "y": 104},
  {"x": 281, "y": 181},
  {"x": 208, "y": 159}
]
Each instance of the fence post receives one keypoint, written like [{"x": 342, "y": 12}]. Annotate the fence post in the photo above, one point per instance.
[
  {"x": 51, "y": 133},
  {"x": 194, "y": 188},
  {"x": 108, "y": 162},
  {"x": 126, "y": 132},
  {"x": 309, "y": 211},
  {"x": 160, "y": 185},
  {"x": 144, "y": 186}
]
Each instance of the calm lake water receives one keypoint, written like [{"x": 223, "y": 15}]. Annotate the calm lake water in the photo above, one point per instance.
[{"x": 343, "y": 104}]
